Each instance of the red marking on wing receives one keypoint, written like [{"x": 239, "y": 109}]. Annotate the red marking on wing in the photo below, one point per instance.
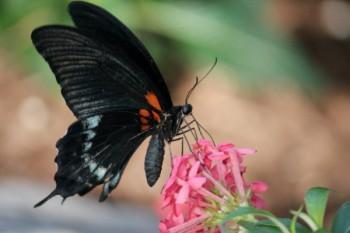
[
  {"x": 144, "y": 113},
  {"x": 156, "y": 116},
  {"x": 153, "y": 100}
]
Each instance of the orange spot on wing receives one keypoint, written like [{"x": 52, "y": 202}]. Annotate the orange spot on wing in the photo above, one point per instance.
[
  {"x": 153, "y": 100},
  {"x": 144, "y": 113},
  {"x": 156, "y": 116}
]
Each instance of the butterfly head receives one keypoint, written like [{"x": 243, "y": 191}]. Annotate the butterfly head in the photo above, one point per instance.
[{"x": 186, "y": 109}]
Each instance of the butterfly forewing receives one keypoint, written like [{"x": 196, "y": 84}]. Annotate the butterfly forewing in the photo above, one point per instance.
[
  {"x": 105, "y": 28},
  {"x": 92, "y": 80}
]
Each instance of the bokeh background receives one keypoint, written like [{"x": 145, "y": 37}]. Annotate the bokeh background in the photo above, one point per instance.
[{"x": 281, "y": 85}]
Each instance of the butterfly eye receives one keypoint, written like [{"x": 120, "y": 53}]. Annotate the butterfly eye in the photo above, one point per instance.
[{"x": 186, "y": 109}]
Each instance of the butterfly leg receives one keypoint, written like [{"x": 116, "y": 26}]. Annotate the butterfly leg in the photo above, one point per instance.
[
  {"x": 177, "y": 139},
  {"x": 193, "y": 130},
  {"x": 171, "y": 155},
  {"x": 182, "y": 136},
  {"x": 187, "y": 123},
  {"x": 183, "y": 133},
  {"x": 169, "y": 146},
  {"x": 200, "y": 128}
]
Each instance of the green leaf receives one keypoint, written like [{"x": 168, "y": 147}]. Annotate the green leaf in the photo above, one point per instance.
[
  {"x": 322, "y": 231},
  {"x": 306, "y": 219},
  {"x": 341, "y": 222},
  {"x": 267, "y": 226},
  {"x": 257, "y": 228},
  {"x": 243, "y": 211},
  {"x": 316, "y": 202},
  {"x": 287, "y": 222}
]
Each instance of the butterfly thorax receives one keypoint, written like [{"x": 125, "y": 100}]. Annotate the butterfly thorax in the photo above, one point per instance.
[{"x": 172, "y": 121}]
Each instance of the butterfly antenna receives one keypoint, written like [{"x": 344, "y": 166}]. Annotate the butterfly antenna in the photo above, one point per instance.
[
  {"x": 191, "y": 90},
  {"x": 200, "y": 80}
]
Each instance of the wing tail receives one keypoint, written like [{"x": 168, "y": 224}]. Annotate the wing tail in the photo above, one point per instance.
[{"x": 51, "y": 195}]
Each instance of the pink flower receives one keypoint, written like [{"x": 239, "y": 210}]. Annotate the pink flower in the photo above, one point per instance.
[{"x": 204, "y": 186}]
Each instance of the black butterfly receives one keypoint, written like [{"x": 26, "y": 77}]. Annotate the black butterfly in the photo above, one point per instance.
[{"x": 114, "y": 88}]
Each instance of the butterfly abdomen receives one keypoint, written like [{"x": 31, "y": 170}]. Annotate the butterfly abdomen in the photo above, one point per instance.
[{"x": 154, "y": 159}]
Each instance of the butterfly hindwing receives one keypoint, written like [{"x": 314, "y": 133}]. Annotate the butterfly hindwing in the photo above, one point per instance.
[{"x": 95, "y": 151}]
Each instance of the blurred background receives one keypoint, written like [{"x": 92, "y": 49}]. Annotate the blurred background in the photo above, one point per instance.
[{"x": 281, "y": 85}]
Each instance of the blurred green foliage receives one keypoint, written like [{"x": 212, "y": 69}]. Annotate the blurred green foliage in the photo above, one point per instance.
[{"x": 179, "y": 34}]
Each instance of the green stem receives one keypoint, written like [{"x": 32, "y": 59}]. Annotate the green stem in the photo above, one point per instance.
[
  {"x": 306, "y": 218},
  {"x": 280, "y": 225}
]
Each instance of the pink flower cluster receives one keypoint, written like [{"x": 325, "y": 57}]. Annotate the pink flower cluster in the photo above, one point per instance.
[{"x": 206, "y": 185}]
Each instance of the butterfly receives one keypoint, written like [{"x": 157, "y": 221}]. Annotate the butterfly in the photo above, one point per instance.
[{"x": 113, "y": 87}]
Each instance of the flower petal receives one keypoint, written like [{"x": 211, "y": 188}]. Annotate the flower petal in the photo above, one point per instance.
[
  {"x": 226, "y": 147},
  {"x": 194, "y": 170},
  {"x": 245, "y": 151},
  {"x": 258, "y": 202},
  {"x": 163, "y": 228},
  {"x": 182, "y": 196},
  {"x": 217, "y": 156},
  {"x": 258, "y": 187},
  {"x": 197, "y": 182}
]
